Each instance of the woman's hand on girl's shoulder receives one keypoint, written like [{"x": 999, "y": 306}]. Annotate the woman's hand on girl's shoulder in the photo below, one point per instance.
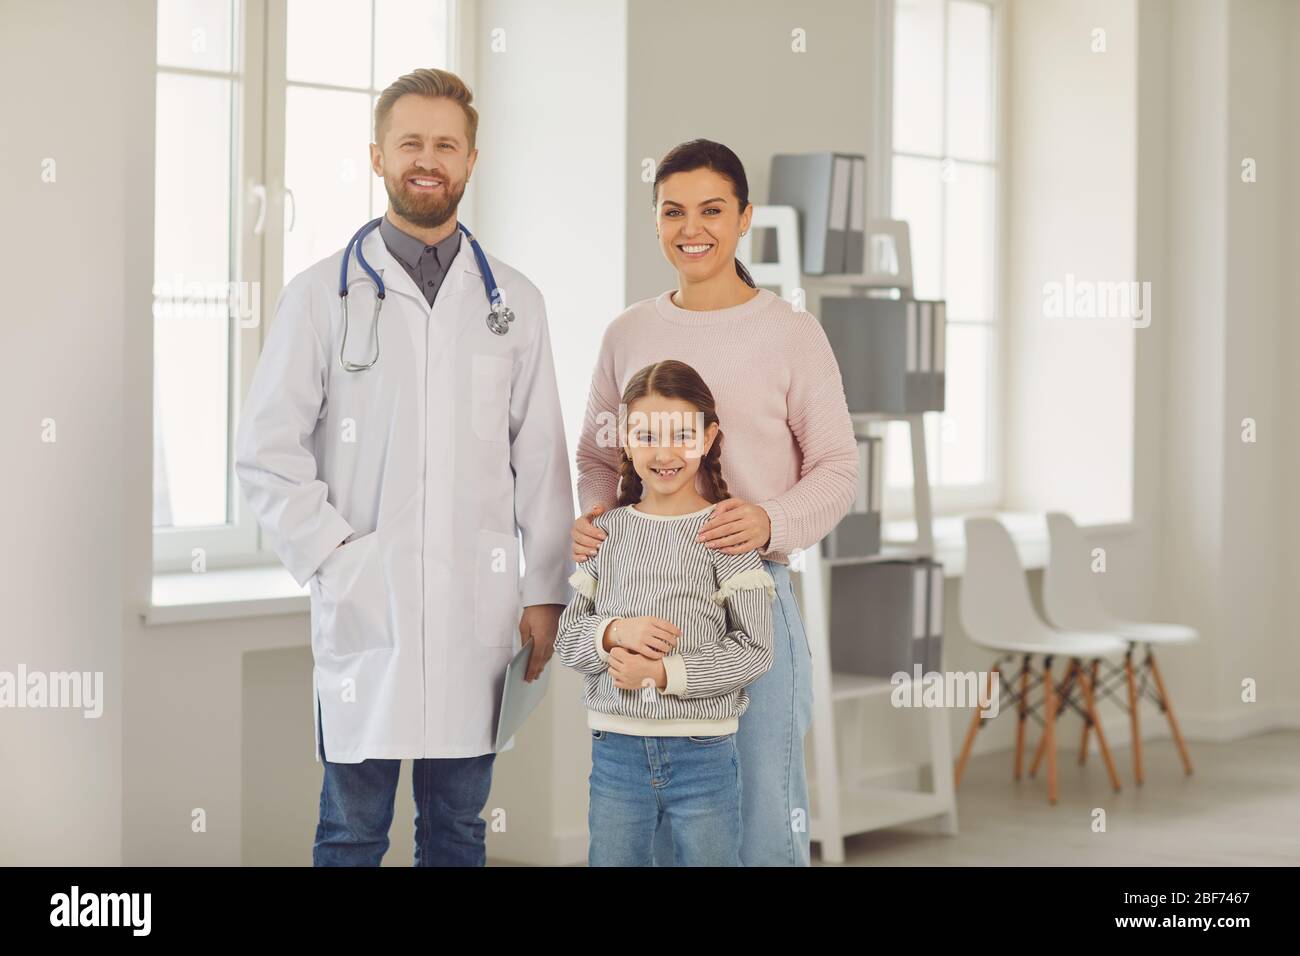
[
  {"x": 586, "y": 536},
  {"x": 736, "y": 526}
]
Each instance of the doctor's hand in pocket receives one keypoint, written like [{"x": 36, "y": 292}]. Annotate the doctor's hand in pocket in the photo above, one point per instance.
[
  {"x": 539, "y": 622},
  {"x": 587, "y": 538}
]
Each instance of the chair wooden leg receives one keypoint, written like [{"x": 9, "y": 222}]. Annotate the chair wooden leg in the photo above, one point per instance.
[
  {"x": 972, "y": 730},
  {"x": 1042, "y": 741},
  {"x": 1133, "y": 714},
  {"x": 1087, "y": 725},
  {"x": 1023, "y": 716},
  {"x": 1049, "y": 730},
  {"x": 1085, "y": 684},
  {"x": 1169, "y": 711},
  {"x": 965, "y": 749}
]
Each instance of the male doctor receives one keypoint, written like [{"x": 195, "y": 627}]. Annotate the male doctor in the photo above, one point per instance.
[{"x": 397, "y": 490}]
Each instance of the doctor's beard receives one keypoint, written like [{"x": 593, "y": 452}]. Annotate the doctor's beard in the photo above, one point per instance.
[{"x": 427, "y": 212}]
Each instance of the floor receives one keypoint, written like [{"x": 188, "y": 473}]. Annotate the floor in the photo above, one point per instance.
[{"x": 1240, "y": 807}]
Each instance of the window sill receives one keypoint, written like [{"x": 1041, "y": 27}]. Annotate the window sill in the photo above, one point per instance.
[
  {"x": 223, "y": 594},
  {"x": 1028, "y": 531},
  {"x": 229, "y": 593}
]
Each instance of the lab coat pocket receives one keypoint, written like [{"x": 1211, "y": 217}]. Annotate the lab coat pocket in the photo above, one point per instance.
[
  {"x": 355, "y": 603},
  {"x": 491, "y": 397},
  {"x": 496, "y": 589}
]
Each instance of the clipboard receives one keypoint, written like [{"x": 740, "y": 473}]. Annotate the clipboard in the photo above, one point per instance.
[{"x": 519, "y": 697}]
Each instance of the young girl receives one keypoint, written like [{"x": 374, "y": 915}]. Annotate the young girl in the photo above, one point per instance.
[{"x": 668, "y": 632}]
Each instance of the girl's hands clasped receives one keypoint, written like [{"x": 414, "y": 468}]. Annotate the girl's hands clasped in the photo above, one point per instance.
[
  {"x": 631, "y": 671},
  {"x": 651, "y": 637}
]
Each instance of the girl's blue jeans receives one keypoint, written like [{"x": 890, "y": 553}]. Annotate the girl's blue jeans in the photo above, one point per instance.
[
  {"x": 774, "y": 792},
  {"x": 638, "y": 781}
]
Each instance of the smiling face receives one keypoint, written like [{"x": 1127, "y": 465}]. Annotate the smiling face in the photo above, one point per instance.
[
  {"x": 700, "y": 221},
  {"x": 425, "y": 158},
  {"x": 666, "y": 439}
]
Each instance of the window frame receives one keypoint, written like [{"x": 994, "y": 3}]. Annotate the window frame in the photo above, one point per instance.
[
  {"x": 239, "y": 541},
  {"x": 951, "y": 498}
]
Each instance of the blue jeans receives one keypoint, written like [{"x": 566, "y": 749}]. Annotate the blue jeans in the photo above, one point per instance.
[
  {"x": 638, "y": 781},
  {"x": 356, "y": 810},
  {"x": 774, "y": 808}
]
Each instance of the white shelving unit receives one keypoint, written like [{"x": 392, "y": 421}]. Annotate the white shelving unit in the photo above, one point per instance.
[{"x": 845, "y": 807}]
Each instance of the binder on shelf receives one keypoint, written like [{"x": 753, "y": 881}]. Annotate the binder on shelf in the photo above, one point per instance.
[
  {"x": 818, "y": 186},
  {"x": 871, "y": 618},
  {"x": 937, "y": 378},
  {"x": 857, "y": 535},
  {"x": 889, "y": 352},
  {"x": 837, "y": 235},
  {"x": 919, "y": 386},
  {"x": 887, "y": 617},
  {"x": 934, "y": 619},
  {"x": 855, "y": 241},
  {"x": 927, "y": 390},
  {"x": 878, "y": 477},
  {"x": 920, "y": 609}
]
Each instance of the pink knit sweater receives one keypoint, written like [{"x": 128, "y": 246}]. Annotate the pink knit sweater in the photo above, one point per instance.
[{"x": 789, "y": 444}]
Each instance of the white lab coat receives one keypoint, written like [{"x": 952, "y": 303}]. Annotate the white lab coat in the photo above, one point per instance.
[{"x": 431, "y": 458}]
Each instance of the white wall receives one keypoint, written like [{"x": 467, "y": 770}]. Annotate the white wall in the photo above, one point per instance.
[
  {"x": 726, "y": 72},
  {"x": 1224, "y": 519},
  {"x": 1071, "y": 182},
  {"x": 1289, "y": 355},
  {"x": 79, "y": 320},
  {"x": 1193, "y": 434},
  {"x": 1255, "y": 315}
]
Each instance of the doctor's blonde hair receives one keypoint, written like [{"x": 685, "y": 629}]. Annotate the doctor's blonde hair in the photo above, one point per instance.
[
  {"x": 673, "y": 379},
  {"x": 427, "y": 82}
]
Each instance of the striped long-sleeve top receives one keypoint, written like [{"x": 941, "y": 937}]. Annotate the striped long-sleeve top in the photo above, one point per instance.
[{"x": 722, "y": 604}]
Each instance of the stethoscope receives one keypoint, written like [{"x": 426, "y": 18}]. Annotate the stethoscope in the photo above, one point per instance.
[{"x": 499, "y": 315}]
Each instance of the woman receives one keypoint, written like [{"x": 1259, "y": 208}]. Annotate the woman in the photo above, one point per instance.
[{"x": 792, "y": 462}]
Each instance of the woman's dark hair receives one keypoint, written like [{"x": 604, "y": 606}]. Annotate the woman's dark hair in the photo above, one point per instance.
[
  {"x": 673, "y": 379},
  {"x": 706, "y": 154}
]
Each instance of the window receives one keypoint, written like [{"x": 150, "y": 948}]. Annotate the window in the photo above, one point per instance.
[
  {"x": 331, "y": 84},
  {"x": 943, "y": 180},
  {"x": 262, "y": 167}
]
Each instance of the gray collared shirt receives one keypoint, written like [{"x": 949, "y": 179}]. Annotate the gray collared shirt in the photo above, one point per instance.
[{"x": 426, "y": 265}]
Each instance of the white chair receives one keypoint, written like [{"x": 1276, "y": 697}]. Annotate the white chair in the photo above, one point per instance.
[
  {"x": 997, "y": 613},
  {"x": 1070, "y": 600}
]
